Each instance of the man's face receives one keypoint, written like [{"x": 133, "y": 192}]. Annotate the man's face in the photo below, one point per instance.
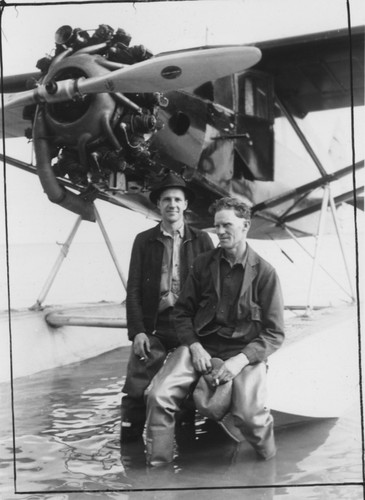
[
  {"x": 231, "y": 230},
  {"x": 172, "y": 204}
]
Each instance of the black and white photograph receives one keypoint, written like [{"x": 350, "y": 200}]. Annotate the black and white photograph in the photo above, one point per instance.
[{"x": 182, "y": 245}]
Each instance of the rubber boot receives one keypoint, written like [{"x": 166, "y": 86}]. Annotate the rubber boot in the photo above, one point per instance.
[{"x": 159, "y": 447}]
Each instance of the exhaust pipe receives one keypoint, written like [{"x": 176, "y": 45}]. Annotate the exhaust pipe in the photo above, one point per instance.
[{"x": 55, "y": 192}]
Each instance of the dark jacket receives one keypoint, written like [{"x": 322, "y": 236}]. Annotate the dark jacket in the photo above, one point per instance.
[
  {"x": 260, "y": 308},
  {"x": 143, "y": 288}
]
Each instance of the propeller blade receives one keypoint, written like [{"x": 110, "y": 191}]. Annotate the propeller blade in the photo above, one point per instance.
[
  {"x": 170, "y": 71},
  {"x": 176, "y": 70},
  {"x": 62, "y": 91},
  {"x": 19, "y": 99}
]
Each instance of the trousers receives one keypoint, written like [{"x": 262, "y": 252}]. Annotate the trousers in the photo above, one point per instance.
[
  {"x": 248, "y": 417},
  {"x": 140, "y": 373}
]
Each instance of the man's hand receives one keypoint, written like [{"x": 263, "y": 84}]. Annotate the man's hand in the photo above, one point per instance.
[
  {"x": 230, "y": 368},
  {"x": 141, "y": 346},
  {"x": 200, "y": 358}
]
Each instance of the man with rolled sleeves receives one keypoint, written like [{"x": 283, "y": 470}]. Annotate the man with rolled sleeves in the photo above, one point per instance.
[
  {"x": 160, "y": 261},
  {"x": 231, "y": 308}
]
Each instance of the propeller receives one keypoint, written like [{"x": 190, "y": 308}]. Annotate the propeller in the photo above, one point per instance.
[{"x": 165, "y": 72}]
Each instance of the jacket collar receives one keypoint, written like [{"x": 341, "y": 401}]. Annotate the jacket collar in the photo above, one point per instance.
[
  {"x": 189, "y": 232},
  {"x": 180, "y": 231}
]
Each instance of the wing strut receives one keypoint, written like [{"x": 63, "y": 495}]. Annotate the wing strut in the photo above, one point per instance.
[
  {"x": 63, "y": 254},
  {"x": 110, "y": 248},
  {"x": 326, "y": 201},
  {"x": 305, "y": 189},
  {"x": 301, "y": 136}
]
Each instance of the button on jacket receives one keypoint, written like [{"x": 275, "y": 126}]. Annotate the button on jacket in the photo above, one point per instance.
[
  {"x": 260, "y": 319},
  {"x": 144, "y": 278}
]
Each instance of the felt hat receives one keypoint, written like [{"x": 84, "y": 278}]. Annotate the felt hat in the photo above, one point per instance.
[
  {"x": 171, "y": 181},
  {"x": 210, "y": 400}
]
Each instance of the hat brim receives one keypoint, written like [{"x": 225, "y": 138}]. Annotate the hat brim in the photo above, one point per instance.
[
  {"x": 212, "y": 401},
  {"x": 156, "y": 193}
]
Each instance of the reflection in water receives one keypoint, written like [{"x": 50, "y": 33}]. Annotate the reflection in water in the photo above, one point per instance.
[
  {"x": 67, "y": 439},
  {"x": 88, "y": 432}
]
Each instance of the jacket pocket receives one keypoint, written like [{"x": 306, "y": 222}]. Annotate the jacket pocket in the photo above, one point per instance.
[
  {"x": 250, "y": 325},
  {"x": 256, "y": 313}
]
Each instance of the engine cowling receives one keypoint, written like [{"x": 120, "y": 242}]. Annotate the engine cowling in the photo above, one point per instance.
[{"x": 68, "y": 121}]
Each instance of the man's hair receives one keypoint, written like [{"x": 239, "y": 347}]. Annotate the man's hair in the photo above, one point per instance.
[{"x": 240, "y": 209}]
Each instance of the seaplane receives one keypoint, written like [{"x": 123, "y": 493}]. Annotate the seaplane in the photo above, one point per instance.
[{"x": 107, "y": 119}]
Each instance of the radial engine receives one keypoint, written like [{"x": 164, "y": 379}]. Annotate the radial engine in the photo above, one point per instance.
[{"x": 100, "y": 139}]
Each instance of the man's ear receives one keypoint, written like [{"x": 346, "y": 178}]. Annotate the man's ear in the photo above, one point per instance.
[{"x": 247, "y": 225}]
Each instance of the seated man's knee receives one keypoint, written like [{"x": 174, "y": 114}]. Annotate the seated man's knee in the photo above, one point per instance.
[
  {"x": 171, "y": 384},
  {"x": 252, "y": 418},
  {"x": 152, "y": 394},
  {"x": 157, "y": 393},
  {"x": 245, "y": 417}
]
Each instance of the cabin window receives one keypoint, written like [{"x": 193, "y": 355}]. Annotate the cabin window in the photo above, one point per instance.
[
  {"x": 254, "y": 117},
  {"x": 248, "y": 101},
  {"x": 255, "y": 93},
  {"x": 219, "y": 91},
  {"x": 223, "y": 92}
]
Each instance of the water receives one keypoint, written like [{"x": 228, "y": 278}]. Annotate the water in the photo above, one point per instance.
[{"x": 66, "y": 430}]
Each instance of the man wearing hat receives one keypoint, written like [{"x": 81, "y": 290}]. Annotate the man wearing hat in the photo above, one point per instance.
[
  {"x": 230, "y": 310},
  {"x": 160, "y": 261}
]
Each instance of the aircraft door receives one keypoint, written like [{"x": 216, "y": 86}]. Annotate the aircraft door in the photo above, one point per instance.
[{"x": 254, "y": 108}]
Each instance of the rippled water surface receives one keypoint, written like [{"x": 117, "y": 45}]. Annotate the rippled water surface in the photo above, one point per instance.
[{"x": 66, "y": 446}]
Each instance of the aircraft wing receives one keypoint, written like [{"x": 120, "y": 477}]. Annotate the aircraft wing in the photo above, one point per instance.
[{"x": 313, "y": 72}]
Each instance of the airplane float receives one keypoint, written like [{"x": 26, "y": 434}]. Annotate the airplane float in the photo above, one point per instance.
[{"x": 108, "y": 119}]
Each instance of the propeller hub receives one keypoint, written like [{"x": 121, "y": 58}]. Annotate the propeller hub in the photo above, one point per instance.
[{"x": 51, "y": 87}]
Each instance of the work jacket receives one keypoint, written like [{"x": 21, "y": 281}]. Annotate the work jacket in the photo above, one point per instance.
[
  {"x": 260, "y": 308},
  {"x": 144, "y": 278}
]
